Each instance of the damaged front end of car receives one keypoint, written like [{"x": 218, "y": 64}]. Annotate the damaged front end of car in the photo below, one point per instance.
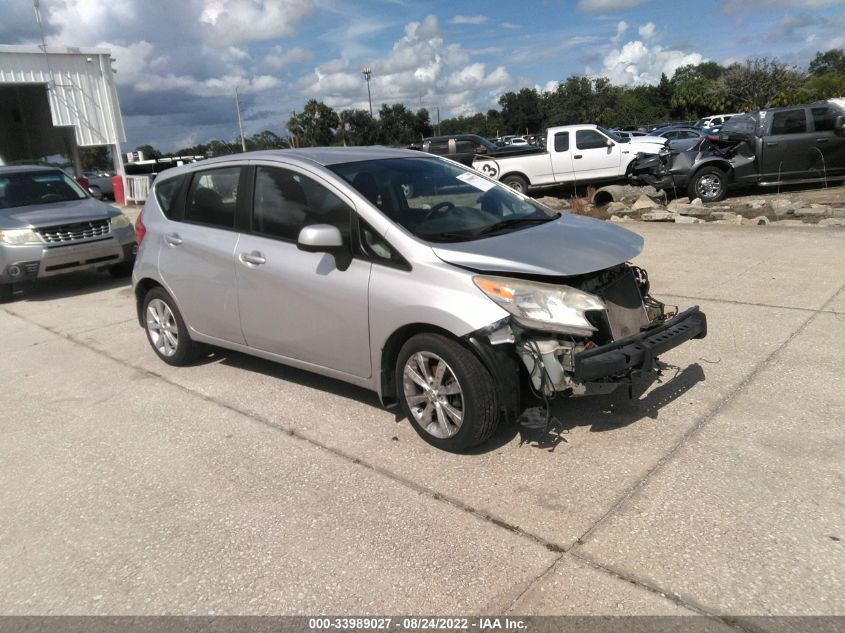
[{"x": 585, "y": 335}]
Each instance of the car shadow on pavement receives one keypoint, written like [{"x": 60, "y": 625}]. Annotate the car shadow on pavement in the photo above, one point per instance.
[
  {"x": 293, "y": 375},
  {"x": 601, "y": 413},
  {"x": 64, "y": 286}
]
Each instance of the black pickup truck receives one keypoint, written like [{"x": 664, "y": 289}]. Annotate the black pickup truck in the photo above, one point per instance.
[
  {"x": 464, "y": 148},
  {"x": 799, "y": 144}
]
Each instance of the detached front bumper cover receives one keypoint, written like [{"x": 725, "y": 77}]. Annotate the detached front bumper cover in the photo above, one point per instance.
[{"x": 640, "y": 350}]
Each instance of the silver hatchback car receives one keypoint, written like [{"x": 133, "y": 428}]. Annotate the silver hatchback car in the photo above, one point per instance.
[{"x": 442, "y": 290}]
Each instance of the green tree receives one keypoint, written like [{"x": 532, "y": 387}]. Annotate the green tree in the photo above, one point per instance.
[
  {"x": 316, "y": 125},
  {"x": 357, "y": 127},
  {"x": 150, "y": 152},
  {"x": 266, "y": 139},
  {"x": 833, "y": 61},
  {"x": 761, "y": 82},
  {"x": 399, "y": 126},
  {"x": 522, "y": 111},
  {"x": 96, "y": 158}
]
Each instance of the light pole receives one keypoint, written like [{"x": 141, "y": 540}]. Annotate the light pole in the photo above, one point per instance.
[{"x": 367, "y": 74}]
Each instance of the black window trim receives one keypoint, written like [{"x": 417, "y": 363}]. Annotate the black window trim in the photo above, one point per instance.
[{"x": 358, "y": 251}]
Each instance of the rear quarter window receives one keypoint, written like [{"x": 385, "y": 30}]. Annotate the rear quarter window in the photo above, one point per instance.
[{"x": 167, "y": 195}]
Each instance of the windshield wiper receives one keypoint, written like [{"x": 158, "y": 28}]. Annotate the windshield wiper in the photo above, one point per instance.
[{"x": 514, "y": 222}]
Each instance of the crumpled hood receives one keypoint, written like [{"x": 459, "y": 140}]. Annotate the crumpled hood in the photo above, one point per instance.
[
  {"x": 55, "y": 213},
  {"x": 647, "y": 144},
  {"x": 570, "y": 245}
]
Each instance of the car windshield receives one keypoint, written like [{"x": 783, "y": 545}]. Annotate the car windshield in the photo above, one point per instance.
[
  {"x": 23, "y": 189},
  {"x": 439, "y": 201},
  {"x": 740, "y": 125}
]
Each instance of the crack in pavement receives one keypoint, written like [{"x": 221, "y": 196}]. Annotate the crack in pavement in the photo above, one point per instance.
[
  {"x": 487, "y": 517},
  {"x": 757, "y": 305}
]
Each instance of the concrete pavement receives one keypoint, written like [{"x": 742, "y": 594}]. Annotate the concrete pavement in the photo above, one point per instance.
[{"x": 240, "y": 486}]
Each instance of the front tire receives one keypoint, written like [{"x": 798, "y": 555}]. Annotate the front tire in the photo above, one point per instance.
[
  {"x": 5, "y": 293},
  {"x": 517, "y": 183},
  {"x": 709, "y": 183},
  {"x": 166, "y": 330},
  {"x": 446, "y": 392}
]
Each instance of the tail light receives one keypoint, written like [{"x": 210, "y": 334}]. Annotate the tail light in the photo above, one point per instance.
[{"x": 140, "y": 229}]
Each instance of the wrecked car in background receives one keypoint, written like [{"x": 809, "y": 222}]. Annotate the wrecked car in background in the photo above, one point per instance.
[
  {"x": 792, "y": 145},
  {"x": 441, "y": 289}
]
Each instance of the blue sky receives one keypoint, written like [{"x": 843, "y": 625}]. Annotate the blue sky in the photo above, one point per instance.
[{"x": 179, "y": 61}]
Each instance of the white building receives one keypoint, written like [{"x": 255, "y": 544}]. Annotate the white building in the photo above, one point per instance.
[{"x": 56, "y": 99}]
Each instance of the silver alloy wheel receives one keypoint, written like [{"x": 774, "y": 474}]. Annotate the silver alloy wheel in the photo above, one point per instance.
[
  {"x": 433, "y": 394},
  {"x": 709, "y": 186},
  {"x": 162, "y": 328}
]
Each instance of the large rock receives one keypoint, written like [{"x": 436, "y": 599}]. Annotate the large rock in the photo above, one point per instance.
[
  {"x": 644, "y": 202},
  {"x": 736, "y": 220},
  {"x": 687, "y": 209},
  {"x": 811, "y": 211},
  {"x": 837, "y": 213},
  {"x": 756, "y": 203},
  {"x": 723, "y": 215},
  {"x": 658, "y": 216},
  {"x": 782, "y": 206},
  {"x": 788, "y": 223},
  {"x": 832, "y": 222},
  {"x": 617, "y": 207},
  {"x": 620, "y": 218},
  {"x": 760, "y": 220},
  {"x": 685, "y": 219},
  {"x": 551, "y": 201},
  {"x": 696, "y": 201}
]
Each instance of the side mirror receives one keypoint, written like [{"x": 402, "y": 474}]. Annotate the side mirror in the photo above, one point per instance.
[
  {"x": 609, "y": 143},
  {"x": 95, "y": 192},
  {"x": 839, "y": 126},
  {"x": 324, "y": 238}
]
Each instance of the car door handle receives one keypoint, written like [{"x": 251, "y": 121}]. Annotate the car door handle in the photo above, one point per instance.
[
  {"x": 254, "y": 258},
  {"x": 771, "y": 144},
  {"x": 173, "y": 239},
  {"x": 821, "y": 140},
  {"x": 578, "y": 156}
]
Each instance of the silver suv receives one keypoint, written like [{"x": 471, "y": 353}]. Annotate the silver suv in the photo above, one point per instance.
[{"x": 442, "y": 290}]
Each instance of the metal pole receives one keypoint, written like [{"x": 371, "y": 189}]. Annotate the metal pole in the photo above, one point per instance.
[
  {"x": 367, "y": 74},
  {"x": 240, "y": 120}
]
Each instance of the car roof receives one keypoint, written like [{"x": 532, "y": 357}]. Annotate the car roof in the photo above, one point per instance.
[
  {"x": 20, "y": 169},
  {"x": 321, "y": 155}
]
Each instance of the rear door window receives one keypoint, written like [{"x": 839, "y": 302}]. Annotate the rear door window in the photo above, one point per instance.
[
  {"x": 213, "y": 197},
  {"x": 562, "y": 142},
  {"x": 824, "y": 119},
  {"x": 789, "y": 122}
]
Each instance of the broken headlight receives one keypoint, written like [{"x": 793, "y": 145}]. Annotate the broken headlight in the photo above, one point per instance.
[{"x": 542, "y": 306}]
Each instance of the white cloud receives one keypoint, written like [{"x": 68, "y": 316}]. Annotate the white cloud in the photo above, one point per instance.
[
  {"x": 621, "y": 29},
  {"x": 646, "y": 31},
  {"x": 253, "y": 20},
  {"x": 468, "y": 19},
  {"x": 603, "y": 6},
  {"x": 279, "y": 57},
  {"x": 510, "y": 25},
  {"x": 550, "y": 86},
  {"x": 637, "y": 63},
  {"x": 739, "y": 6}
]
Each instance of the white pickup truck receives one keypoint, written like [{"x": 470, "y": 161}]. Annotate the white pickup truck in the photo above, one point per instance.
[{"x": 573, "y": 153}]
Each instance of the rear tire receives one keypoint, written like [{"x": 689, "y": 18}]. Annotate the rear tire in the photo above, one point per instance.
[
  {"x": 5, "y": 293},
  {"x": 517, "y": 183},
  {"x": 446, "y": 392},
  {"x": 166, "y": 330},
  {"x": 709, "y": 183}
]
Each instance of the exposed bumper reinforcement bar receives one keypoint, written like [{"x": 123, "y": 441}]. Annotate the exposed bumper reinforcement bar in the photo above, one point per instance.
[{"x": 640, "y": 350}]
